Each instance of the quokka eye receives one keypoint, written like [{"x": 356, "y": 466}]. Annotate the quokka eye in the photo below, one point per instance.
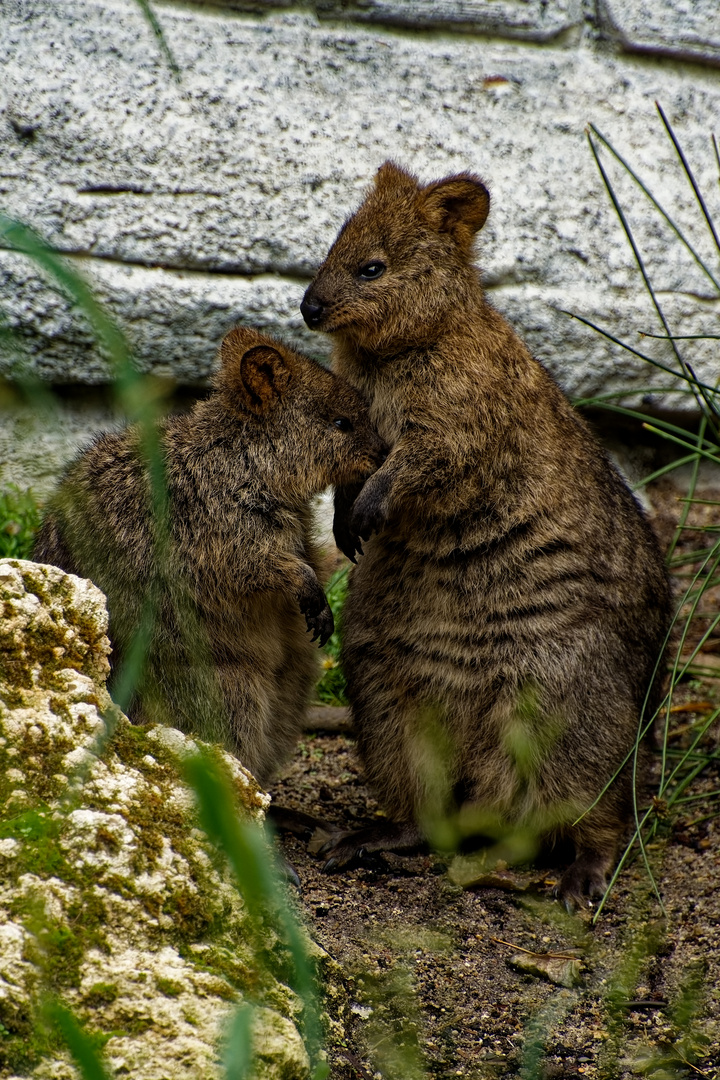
[
  {"x": 343, "y": 423},
  {"x": 372, "y": 270}
]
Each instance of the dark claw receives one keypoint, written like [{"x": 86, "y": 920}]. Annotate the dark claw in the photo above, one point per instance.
[
  {"x": 321, "y": 624},
  {"x": 289, "y": 873},
  {"x": 341, "y": 851},
  {"x": 327, "y": 846},
  {"x": 583, "y": 881},
  {"x": 349, "y": 545},
  {"x": 365, "y": 522}
]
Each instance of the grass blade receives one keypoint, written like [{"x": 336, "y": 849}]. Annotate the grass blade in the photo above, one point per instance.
[
  {"x": 715, "y": 458},
  {"x": 157, "y": 30},
  {"x": 681, "y": 236},
  {"x": 246, "y": 849},
  {"x": 78, "y": 1043},
  {"x": 682, "y": 337},
  {"x": 705, "y": 404},
  {"x": 687, "y": 376},
  {"x": 689, "y": 174},
  {"x": 237, "y": 1054}
]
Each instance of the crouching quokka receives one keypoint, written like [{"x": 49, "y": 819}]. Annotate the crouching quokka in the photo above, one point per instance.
[
  {"x": 221, "y": 588},
  {"x": 510, "y": 585}
]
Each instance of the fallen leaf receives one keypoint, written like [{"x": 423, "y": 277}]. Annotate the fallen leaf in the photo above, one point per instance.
[
  {"x": 469, "y": 871},
  {"x": 561, "y": 970}
]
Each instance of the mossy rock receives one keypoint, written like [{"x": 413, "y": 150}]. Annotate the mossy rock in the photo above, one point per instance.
[{"x": 111, "y": 897}]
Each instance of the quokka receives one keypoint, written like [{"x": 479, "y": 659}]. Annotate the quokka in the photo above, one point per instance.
[
  {"x": 220, "y": 588},
  {"x": 510, "y": 585}
]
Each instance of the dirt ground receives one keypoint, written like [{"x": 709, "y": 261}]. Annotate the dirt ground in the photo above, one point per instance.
[{"x": 445, "y": 981}]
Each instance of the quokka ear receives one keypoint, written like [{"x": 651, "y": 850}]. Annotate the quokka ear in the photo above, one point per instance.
[
  {"x": 458, "y": 205},
  {"x": 391, "y": 176},
  {"x": 258, "y": 376}
]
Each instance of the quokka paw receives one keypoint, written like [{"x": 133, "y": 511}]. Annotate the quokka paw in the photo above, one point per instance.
[
  {"x": 348, "y": 541},
  {"x": 368, "y": 514},
  {"x": 322, "y": 625},
  {"x": 584, "y": 881}
]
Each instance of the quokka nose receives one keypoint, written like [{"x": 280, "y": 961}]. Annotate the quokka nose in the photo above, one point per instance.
[{"x": 312, "y": 312}]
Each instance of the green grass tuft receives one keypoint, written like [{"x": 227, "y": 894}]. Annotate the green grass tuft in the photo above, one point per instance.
[
  {"x": 19, "y": 520},
  {"x": 332, "y": 688}
]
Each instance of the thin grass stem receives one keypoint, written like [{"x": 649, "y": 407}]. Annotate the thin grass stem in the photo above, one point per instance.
[
  {"x": 701, "y": 795},
  {"x": 689, "y": 174},
  {"x": 157, "y": 30},
  {"x": 645, "y": 725},
  {"x": 611, "y": 395},
  {"x": 623, "y": 859},
  {"x": 642, "y": 356},
  {"x": 686, "y": 781},
  {"x": 682, "y": 337},
  {"x": 691, "y": 489},
  {"x": 705, "y": 404},
  {"x": 715, "y": 458},
  {"x": 664, "y": 470},
  {"x": 681, "y": 236}
]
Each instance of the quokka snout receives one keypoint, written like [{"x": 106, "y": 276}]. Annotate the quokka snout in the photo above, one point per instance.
[
  {"x": 510, "y": 585},
  {"x": 224, "y": 583}
]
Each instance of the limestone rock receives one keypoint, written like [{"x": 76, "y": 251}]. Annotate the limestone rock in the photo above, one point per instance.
[
  {"x": 197, "y": 205},
  {"x": 531, "y": 20},
  {"x": 683, "y": 29},
  {"x": 111, "y": 896}
]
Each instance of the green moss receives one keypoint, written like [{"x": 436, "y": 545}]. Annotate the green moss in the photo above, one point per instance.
[
  {"x": 55, "y": 949},
  {"x": 169, "y": 987},
  {"x": 134, "y": 1023},
  {"x": 17, "y": 1037},
  {"x": 14, "y": 677},
  {"x": 228, "y": 966},
  {"x": 37, "y": 745},
  {"x": 89, "y": 914},
  {"x": 192, "y": 915},
  {"x": 100, "y": 994},
  {"x": 198, "y": 910},
  {"x": 107, "y": 840},
  {"x": 121, "y": 886},
  {"x": 40, "y": 853},
  {"x": 131, "y": 744},
  {"x": 19, "y": 520}
]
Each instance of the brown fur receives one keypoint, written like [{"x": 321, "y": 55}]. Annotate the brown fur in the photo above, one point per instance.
[
  {"x": 233, "y": 568},
  {"x": 513, "y": 587}
]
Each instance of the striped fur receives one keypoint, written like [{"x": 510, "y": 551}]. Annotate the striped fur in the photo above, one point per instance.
[
  {"x": 229, "y": 581},
  {"x": 511, "y": 584}
]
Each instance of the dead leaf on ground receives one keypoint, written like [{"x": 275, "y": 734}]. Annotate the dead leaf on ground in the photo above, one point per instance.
[
  {"x": 478, "y": 869},
  {"x": 561, "y": 970}
]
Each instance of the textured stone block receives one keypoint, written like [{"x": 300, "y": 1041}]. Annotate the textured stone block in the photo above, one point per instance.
[
  {"x": 530, "y": 20},
  {"x": 191, "y": 208},
  {"x": 685, "y": 29}
]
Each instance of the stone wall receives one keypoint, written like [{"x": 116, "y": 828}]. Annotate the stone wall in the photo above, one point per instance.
[{"x": 191, "y": 205}]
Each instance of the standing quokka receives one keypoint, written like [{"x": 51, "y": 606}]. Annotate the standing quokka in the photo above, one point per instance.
[
  {"x": 220, "y": 583},
  {"x": 510, "y": 585}
]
